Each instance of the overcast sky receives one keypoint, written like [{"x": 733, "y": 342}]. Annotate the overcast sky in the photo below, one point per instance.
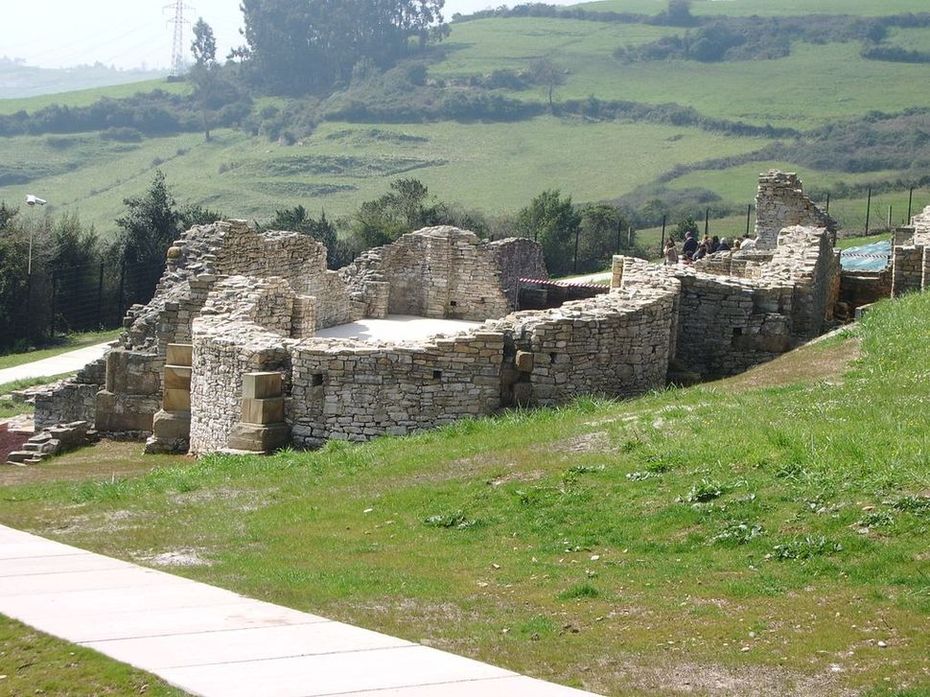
[{"x": 125, "y": 33}]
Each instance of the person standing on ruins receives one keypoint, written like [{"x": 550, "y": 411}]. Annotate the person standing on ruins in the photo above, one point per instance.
[
  {"x": 690, "y": 246},
  {"x": 671, "y": 255}
]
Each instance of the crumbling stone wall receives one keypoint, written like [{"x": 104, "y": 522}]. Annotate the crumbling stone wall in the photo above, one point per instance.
[
  {"x": 73, "y": 400},
  {"x": 244, "y": 327},
  {"x": 518, "y": 257},
  {"x": 910, "y": 260},
  {"x": 441, "y": 272},
  {"x": 781, "y": 203}
]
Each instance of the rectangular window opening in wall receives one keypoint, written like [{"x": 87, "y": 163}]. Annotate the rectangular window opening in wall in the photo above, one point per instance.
[
  {"x": 552, "y": 357},
  {"x": 453, "y": 303},
  {"x": 437, "y": 375},
  {"x": 316, "y": 379},
  {"x": 737, "y": 331}
]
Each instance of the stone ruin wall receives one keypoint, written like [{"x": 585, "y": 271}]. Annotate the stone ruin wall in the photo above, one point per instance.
[
  {"x": 727, "y": 324},
  {"x": 781, "y": 203},
  {"x": 614, "y": 345},
  {"x": 910, "y": 258}
]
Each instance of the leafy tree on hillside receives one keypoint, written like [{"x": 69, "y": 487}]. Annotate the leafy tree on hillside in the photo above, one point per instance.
[
  {"x": 601, "y": 224},
  {"x": 301, "y": 46},
  {"x": 297, "y": 219},
  {"x": 553, "y": 222},
  {"x": 546, "y": 73},
  {"x": 205, "y": 72},
  {"x": 151, "y": 223}
]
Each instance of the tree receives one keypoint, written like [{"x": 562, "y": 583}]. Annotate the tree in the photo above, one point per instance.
[
  {"x": 553, "y": 222},
  {"x": 685, "y": 226},
  {"x": 204, "y": 72},
  {"x": 601, "y": 228},
  {"x": 297, "y": 219},
  {"x": 546, "y": 73},
  {"x": 151, "y": 223},
  {"x": 679, "y": 13},
  {"x": 301, "y": 46}
]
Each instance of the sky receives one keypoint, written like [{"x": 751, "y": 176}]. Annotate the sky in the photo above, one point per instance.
[{"x": 126, "y": 33}]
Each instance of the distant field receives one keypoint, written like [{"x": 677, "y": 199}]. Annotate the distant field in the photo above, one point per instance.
[
  {"x": 494, "y": 167},
  {"x": 768, "y": 8},
  {"x": 85, "y": 97},
  {"x": 813, "y": 86}
]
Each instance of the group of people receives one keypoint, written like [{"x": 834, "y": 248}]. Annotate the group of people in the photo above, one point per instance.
[{"x": 692, "y": 250}]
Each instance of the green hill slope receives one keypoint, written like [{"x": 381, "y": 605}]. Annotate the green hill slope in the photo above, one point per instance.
[{"x": 673, "y": 154}]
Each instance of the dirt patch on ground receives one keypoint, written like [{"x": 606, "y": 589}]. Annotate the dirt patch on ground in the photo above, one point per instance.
[
  {"x": 811, "y": 363},
  {"x": 177, "y": 557},
  {"x": 597, "y": 442},
  {"x": 104, "y": 460},
  {"x": 668, "y": 677}
]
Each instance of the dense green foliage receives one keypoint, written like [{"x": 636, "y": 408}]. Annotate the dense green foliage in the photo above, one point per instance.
[{"x": 308, "y": 46}]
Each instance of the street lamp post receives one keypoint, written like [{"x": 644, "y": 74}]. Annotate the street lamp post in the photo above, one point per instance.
[{"x": 32, "y": 201}]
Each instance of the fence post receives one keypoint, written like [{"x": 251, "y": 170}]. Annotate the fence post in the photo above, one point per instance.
[
  {"x": 629, "y": 237},
  {"x": 706, "y": 221},
  {"x": 910, "y": 202},
  {"x": 619, "y": 231},
  {"x": 868, "y": 211},
  {"x": 748, "y": 218},
  {"x": 889, "y": 216},
  {"x": 828, "y": 204},
  {"x": 100, "y": 298},
  {"x": 54, "y": 302}
]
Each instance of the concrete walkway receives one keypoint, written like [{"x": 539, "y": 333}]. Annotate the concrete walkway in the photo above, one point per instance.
[
  {"x": 210, "y": 641},
  {"x": 69, "y": 362}
]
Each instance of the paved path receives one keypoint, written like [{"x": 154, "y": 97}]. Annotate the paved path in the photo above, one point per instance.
[
  {"x": 213, "y": 642},
  {"x": 56, "y": 365}
]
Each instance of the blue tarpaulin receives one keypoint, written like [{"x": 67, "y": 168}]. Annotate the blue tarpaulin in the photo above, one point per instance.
[{"x": 869, "y": 257}]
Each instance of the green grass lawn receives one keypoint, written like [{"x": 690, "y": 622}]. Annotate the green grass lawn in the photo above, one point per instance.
[
  {"x": 33, "y": 663},
  {"x": 761, "y": 535},
  {"x": 70, "y": 343}
]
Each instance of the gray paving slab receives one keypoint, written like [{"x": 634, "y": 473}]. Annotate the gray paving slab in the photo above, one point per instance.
[
  {"x": 252, "y": 644},
  {"x": 333, "y": 674},
  {"x": 213, "y": 642},
  {"x": 396, "y": 329}
]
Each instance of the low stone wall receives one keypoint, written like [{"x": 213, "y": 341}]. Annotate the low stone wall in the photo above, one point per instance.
[
  {"x": 907, "y": 269},
  {"x": 858, "y": 288}
]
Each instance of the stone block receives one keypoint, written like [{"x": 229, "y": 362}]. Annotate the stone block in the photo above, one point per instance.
[
  {"x": 120, "y": 413},
  {"x": 261, "y": 385},
  {"x": 176, "y": 400},
  {"x": 262, "y": 411},
  {"x": 179, "y": 354},
  {"x": 171, "y": 426},
  {"x": 177, "y": 377},
  {"x": 259, "y": 439},
  {"x": 525, "y": 361},
  {"x": 523, "y": 394}
]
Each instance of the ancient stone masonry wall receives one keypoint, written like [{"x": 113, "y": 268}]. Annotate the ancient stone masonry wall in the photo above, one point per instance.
[
  {"x": 725, "y": 325},
  {"x": 442, "y": 272},
  {"x": 910, "y": 260},
  {"x": 244, "y": 327},
  {"x": 615, "y": 345},
  {"x": 804, "y": 258},
  {"x": 74, "y": 399},
  {"x": 781, "y": 203},
  {"x": 357, "y": 391}
]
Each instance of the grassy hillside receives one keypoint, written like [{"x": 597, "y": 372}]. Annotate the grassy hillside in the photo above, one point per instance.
[
  {"x": 761, "y": 535},
  {"x": 498, "y": 167},
  {"x": 494, "y": 167}
]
